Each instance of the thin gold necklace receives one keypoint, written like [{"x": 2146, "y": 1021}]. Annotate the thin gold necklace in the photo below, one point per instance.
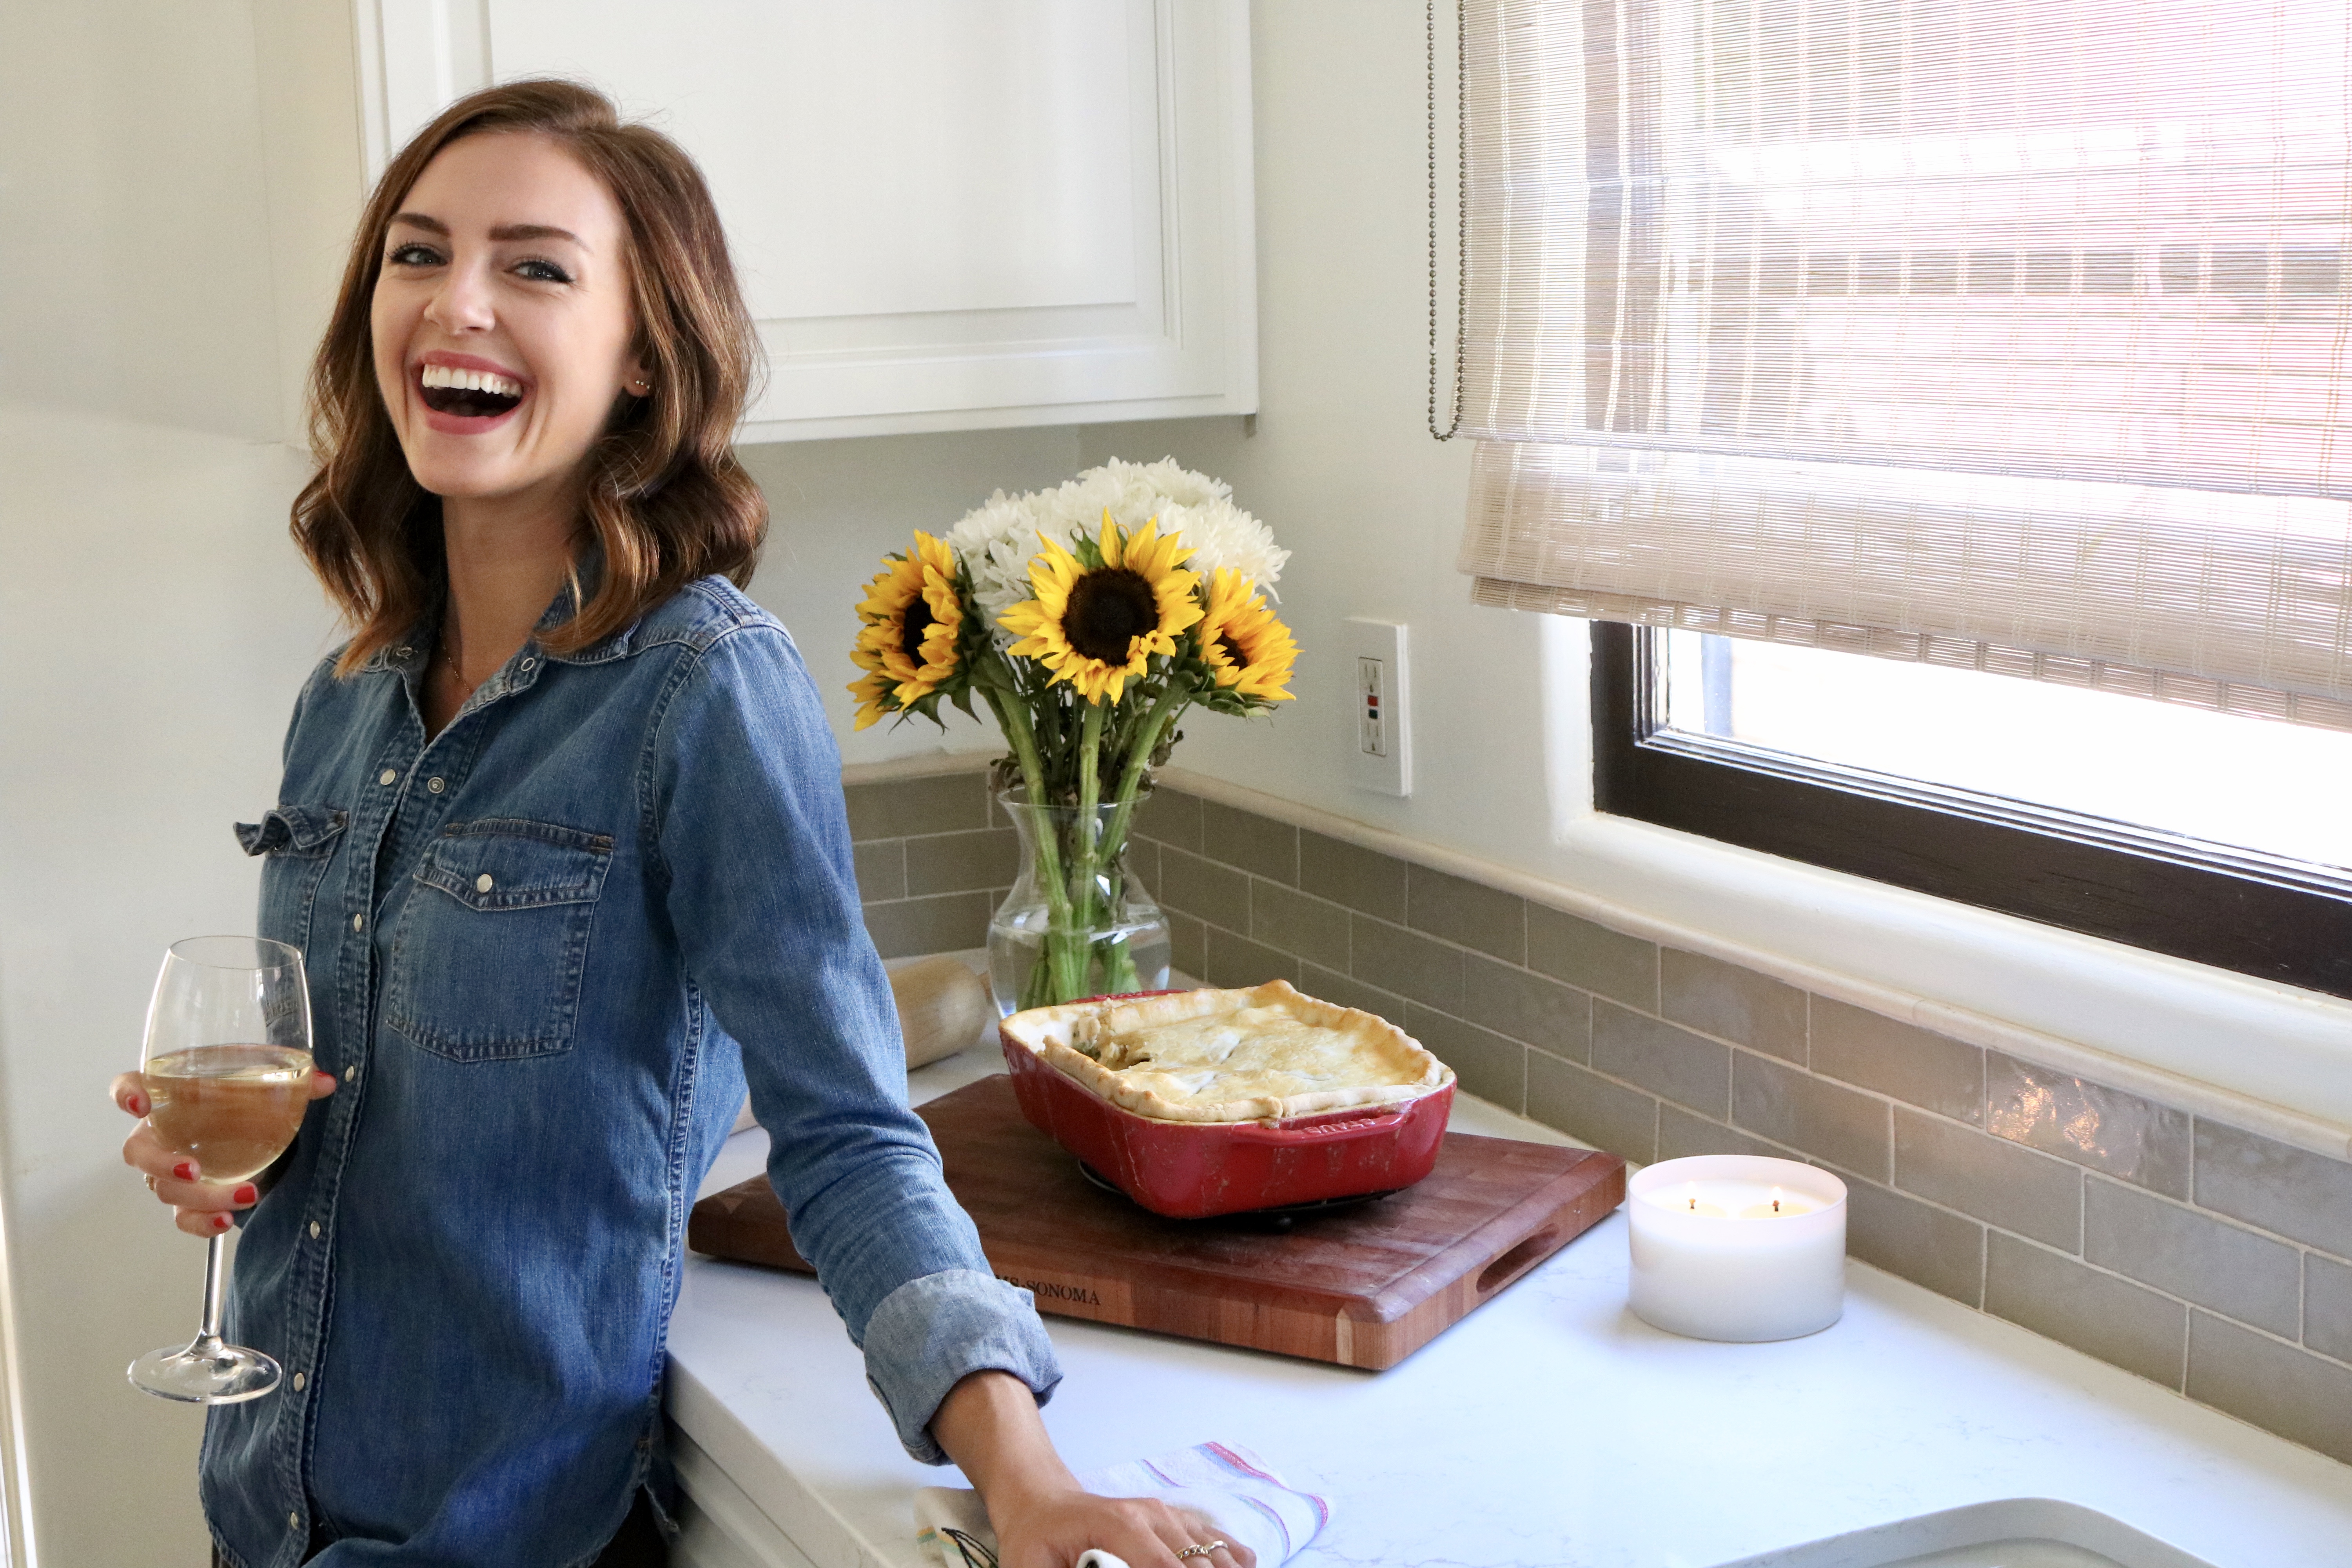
[{"x": 465, "y": 687}]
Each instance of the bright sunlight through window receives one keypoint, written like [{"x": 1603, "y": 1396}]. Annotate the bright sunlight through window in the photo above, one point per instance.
[{"x": 2252, "y": 784}]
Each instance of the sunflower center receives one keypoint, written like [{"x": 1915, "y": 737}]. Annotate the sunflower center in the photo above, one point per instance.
[
  {"x": 917, "y": 620},
  {"x": 1109, "y": 607},
  {"x": 1233, "y": 650}
]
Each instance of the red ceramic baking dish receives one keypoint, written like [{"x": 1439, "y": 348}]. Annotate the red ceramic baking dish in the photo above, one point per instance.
[{"x": 1192, "y": 1169}]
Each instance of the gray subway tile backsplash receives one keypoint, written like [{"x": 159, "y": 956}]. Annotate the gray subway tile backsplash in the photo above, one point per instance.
[
  {"x": 2112, "y": 1221},
  {"x": 1236, "y": 960},
  {"x": 1170, "y": 816},
  {"x": 1922, "y": 1243},
  {"x": 1488, "y": 1064},
  {"x": 2106, "y": 1129},
  {"x": 1345, "y": 991},
  {"x": 1593, "y": 957},
  {"x": 1669, "y": 1061},
  {"x": 2112, "y": 1319},
  {"x": 1422, "y": 968},
  {"x": 2274, "y": 1386},
  {"x": 1843, "y": 1126},
  {"x": 960, "y": 862},
  {"x": 2327, "y": 1306},
  {"x": 881, "y": 868},
  {"x": 1531, "y": 1008},
  {"x": 1587, "y": 1106},
  {"x": 1904, "y": 1061},
  {"x": 2020, "y": 1190},
  {"x": 2241, "y": 1273},
  {"x": 946, "y": 923},
  {"x": 1188, "y": 943},
  {"x": 1484, "y": 920},
  {"x": 2298, "y": 1194},
  {"x": 1258, "y": 844},
  {"x": 1314, "y": 930},
  {"x": 1735, "y": 1004},
  {"x": 1204, "y": 888},
  {"x": 941, "y": 802},
  {"x": 1363, "y": 879},
  {"x": 1682, "y": 1134}
]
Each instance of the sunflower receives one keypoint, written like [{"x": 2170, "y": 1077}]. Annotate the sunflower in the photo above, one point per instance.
[
  {"x": 913, "y": 620},
  {"x": 1247, "y": 649},
  {"x": 1096, "y": 622}
]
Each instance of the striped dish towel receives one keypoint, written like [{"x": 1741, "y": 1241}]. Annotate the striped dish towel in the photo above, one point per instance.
[{"x": 1252, "y": 1505}]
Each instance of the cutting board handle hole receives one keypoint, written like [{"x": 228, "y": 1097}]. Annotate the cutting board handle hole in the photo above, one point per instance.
[{"x": 1516, "y": 1261}]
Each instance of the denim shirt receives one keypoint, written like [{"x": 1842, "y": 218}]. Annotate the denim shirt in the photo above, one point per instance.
[{"x": 546, "y": 949}]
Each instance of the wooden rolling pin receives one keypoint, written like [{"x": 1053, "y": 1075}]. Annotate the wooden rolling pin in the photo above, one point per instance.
[{"x": 942, "y": 1006}]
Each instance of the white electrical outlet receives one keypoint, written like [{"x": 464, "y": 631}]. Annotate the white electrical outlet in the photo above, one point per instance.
[{"x": 1382, "y": 755}]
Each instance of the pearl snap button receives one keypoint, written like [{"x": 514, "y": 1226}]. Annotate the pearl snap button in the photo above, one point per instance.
[
  {"x": 351, "y": 1073},
  {"x": 358, "y": 923},
  {"x": 314, "y": 1230},
  {"x": 294, "y": 1521},
  {"x": 386, "y": 776},
  {"x": 407, "y": 651},
  {"x": 482, "y": 884},
  {"x": 528, "y": 663},
  {"x": 300, "y": 1380},
  {"x": 436, "y": 785}
]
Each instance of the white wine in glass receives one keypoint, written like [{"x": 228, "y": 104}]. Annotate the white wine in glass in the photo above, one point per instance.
[{"x": 228, "y": 1071}]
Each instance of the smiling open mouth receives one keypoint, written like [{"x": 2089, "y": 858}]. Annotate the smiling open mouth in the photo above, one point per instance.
[{"x": 468, "y": 394}]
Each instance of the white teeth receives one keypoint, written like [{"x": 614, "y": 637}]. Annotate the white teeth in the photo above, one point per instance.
[{"x": 470, "y": 380}]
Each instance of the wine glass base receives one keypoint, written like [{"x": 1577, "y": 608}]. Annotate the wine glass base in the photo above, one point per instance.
[{"x": 208, "y": 1371}]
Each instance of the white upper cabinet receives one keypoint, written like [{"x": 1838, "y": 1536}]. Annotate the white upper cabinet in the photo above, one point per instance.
[{"x": 948, "y": 214}]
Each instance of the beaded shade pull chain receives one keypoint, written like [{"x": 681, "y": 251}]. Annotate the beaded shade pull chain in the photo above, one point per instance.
[{"x": 1461, "y": 212}]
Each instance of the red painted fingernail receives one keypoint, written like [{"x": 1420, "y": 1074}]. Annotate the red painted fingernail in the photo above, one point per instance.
[
  {"x": 139, "y": 1106},
  {"x": 185, "y": 1170},
  {"x": 220, "y": 1222},
  {"x": 246, "y": 1194}
]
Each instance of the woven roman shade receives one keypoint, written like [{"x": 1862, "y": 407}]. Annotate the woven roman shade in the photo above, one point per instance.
[{"x": 2005, "y": 335}]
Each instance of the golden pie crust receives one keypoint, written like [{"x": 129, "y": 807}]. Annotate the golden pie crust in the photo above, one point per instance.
[{"x": 1265, "y": 1054}]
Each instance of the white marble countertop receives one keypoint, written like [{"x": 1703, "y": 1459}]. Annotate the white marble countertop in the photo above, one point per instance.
[{"x": 1551, "y": 1426}]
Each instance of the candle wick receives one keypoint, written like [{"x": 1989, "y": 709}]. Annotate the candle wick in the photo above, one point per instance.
[
  {"x": 1776, "y": 1205},
  {"x": 1693, "y": 1203}
]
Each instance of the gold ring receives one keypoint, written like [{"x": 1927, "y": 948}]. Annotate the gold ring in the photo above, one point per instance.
[
  {"x": 1197, "y": 1549},
  {"x": 150, "y": 1183}
]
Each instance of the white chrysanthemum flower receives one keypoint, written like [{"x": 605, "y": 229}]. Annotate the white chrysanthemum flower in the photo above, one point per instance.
[
  {"x": 1222, "y": 534},
  {"x": 998, "y": 539}
]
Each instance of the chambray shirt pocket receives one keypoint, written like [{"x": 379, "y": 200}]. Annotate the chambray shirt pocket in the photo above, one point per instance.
[
  {"x": 492, "y": 942},
  {"x": 295, "y": 842}
]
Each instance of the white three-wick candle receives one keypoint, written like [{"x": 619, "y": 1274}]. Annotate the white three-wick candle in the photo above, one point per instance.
[{"x": 1734, "y": 1246}]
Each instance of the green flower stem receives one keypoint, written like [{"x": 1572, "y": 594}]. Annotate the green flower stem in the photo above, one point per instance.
[
  {"x": 1171, "y": 706},
  {"x": 1076, "y": 948},
  {"x": 1014, "y": 720}
]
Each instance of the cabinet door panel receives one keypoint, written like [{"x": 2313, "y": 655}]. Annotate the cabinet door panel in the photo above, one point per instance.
[{"x": 948, "y": 214}]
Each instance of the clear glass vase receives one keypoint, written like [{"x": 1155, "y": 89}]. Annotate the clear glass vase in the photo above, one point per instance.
[{"x": 1077, "y": 922}]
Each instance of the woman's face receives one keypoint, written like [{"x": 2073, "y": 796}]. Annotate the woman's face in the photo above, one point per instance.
[{"x": 501, "y": 319}]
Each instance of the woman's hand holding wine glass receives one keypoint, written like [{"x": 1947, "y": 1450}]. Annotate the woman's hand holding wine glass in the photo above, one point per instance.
[
  {"x": 224, "y": 1078},
  {"x": 201, "y": 1202}
]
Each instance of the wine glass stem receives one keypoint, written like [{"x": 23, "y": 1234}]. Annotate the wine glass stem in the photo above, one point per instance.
[{"x": 215, "y": 1283}]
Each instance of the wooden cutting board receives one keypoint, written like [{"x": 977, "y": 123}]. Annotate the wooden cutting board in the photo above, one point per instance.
[{"x": 1366, "y": 1287}]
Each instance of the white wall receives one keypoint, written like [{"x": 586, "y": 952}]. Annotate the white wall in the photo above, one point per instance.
[
  {"x": 177, "y": 185},
  {"x": 154, "y": 625},
  {"x": 1342, "y": 466}
]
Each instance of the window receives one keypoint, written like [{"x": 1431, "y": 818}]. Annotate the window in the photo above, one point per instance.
[
  {"x": 2112, "y": 815},
  {"x": 1995, "y": 339}
]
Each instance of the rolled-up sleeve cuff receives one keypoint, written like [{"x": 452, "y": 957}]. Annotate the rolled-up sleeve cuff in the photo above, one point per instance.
[{"x": 930, "y": 1333}]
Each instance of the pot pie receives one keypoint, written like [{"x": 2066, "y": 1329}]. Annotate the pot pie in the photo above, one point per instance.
[{"x": 1265, "y": 1054}]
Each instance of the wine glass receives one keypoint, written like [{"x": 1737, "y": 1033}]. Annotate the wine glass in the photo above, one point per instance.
[{"x": 227, "y": 1067}]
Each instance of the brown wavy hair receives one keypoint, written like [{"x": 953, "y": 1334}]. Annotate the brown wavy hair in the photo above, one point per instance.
[{"x": 667, "y": 501}]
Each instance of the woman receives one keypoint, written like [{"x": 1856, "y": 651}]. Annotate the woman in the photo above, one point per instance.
[{"x": 562, "y": 837}]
